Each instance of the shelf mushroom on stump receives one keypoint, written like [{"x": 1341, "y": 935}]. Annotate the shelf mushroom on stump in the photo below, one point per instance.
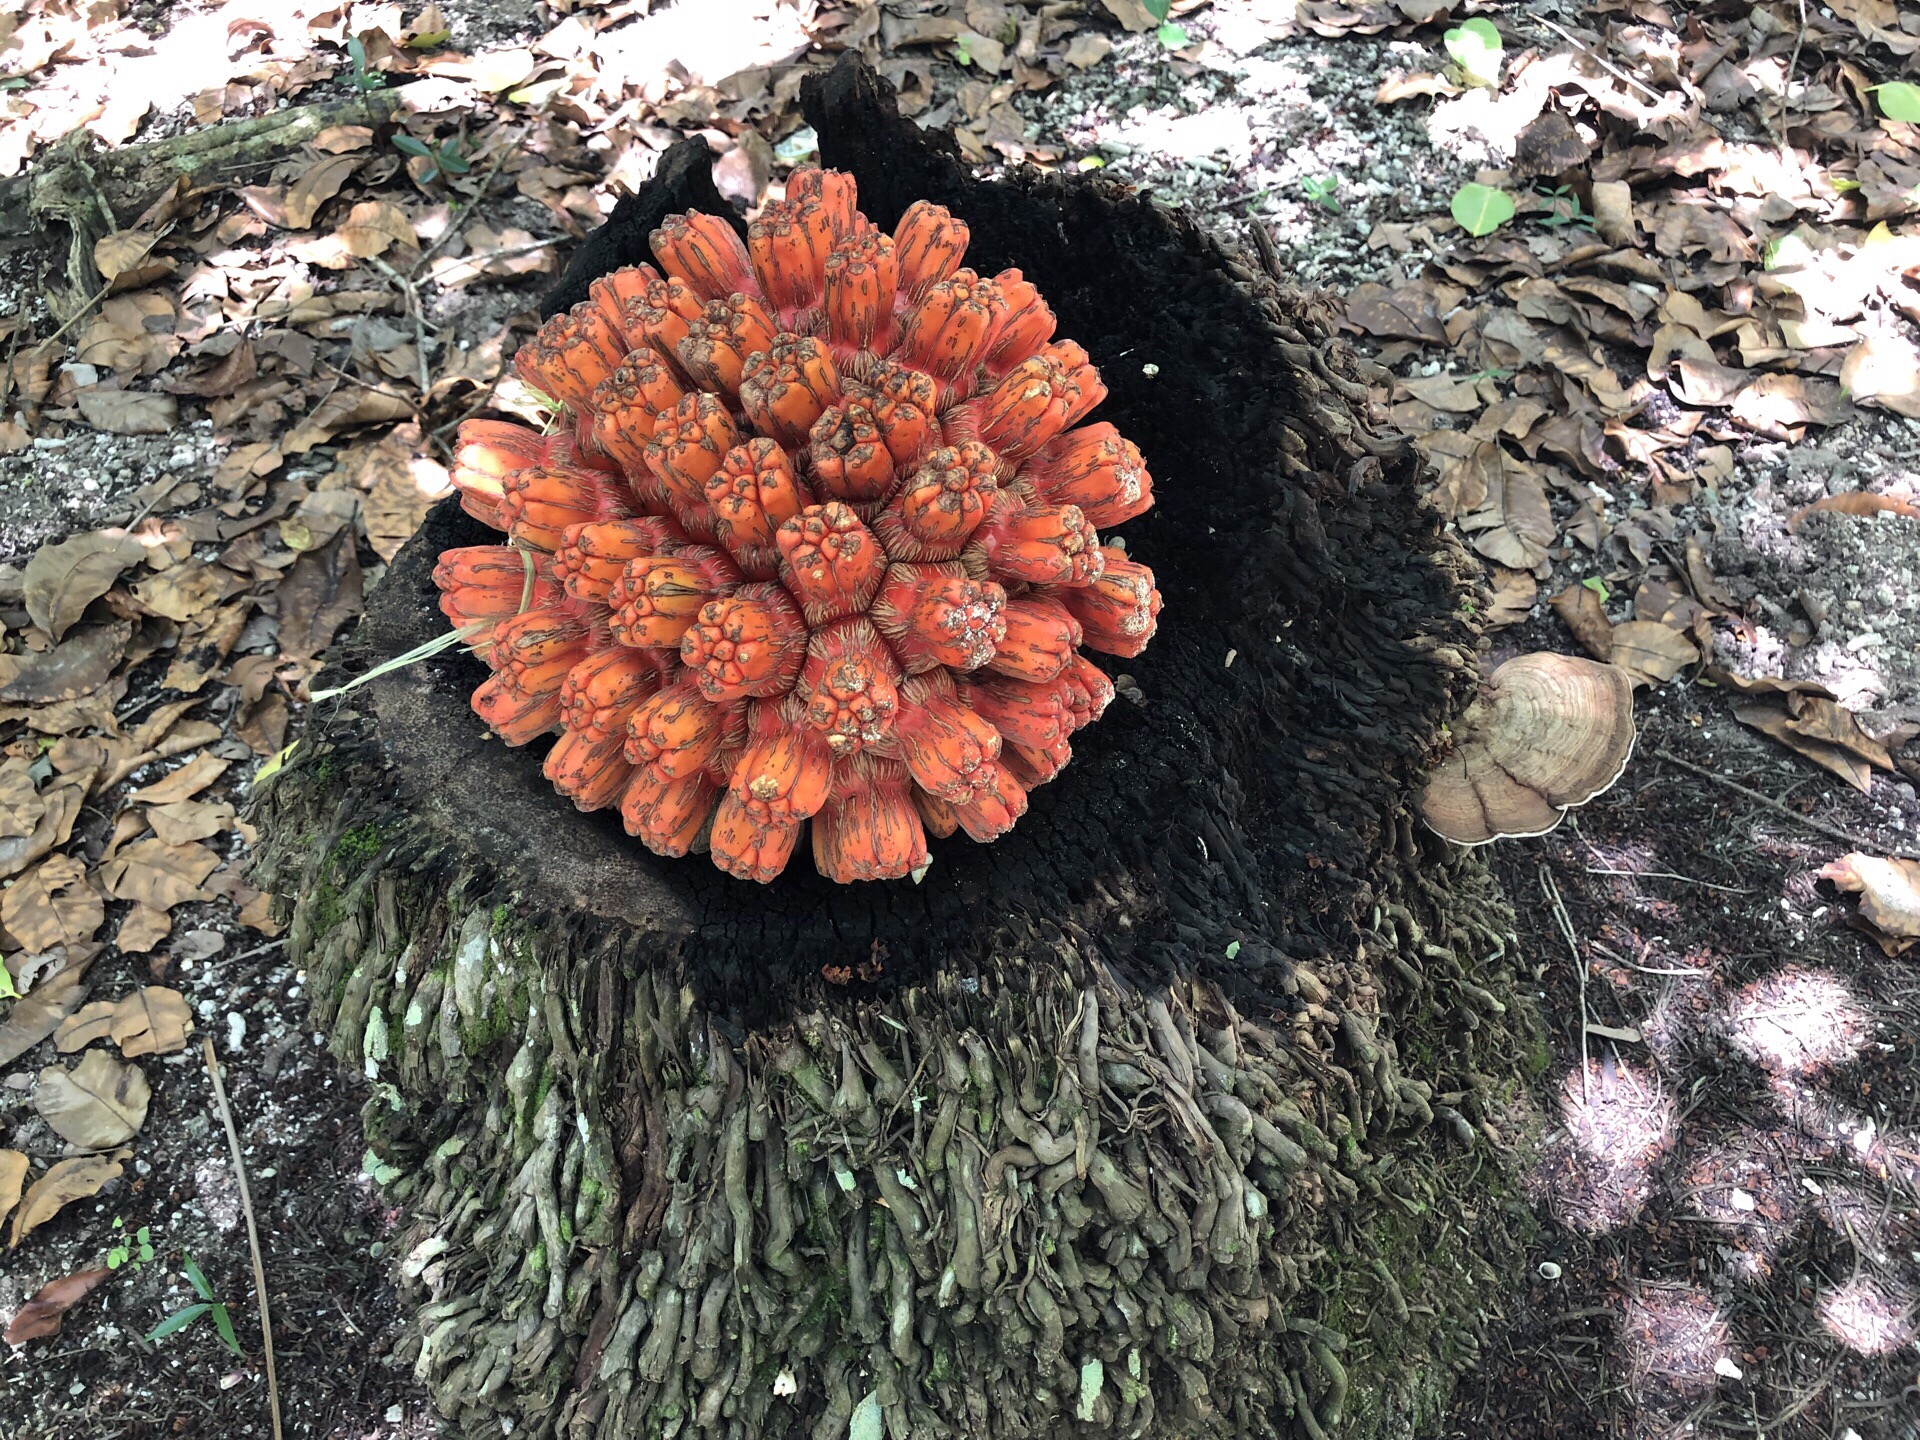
[{"x": 1123, "y": 1123}]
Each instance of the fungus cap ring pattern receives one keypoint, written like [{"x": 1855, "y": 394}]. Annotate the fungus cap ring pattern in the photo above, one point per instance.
[{"x": 813, "y": 538}]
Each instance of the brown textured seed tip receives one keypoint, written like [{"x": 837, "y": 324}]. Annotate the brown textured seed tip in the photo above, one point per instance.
[{"x": 1547, "y": 734}]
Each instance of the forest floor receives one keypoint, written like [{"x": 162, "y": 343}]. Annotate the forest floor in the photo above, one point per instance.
[{"x": 1641, "y": 278}]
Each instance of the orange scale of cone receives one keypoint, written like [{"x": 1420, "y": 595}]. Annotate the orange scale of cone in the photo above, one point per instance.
[
  {"x": 801, "y": 474},
  {"x": 869, "y": 828}
]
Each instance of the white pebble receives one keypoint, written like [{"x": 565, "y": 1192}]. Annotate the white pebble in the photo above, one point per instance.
[{"x": 236, "y": 1029}]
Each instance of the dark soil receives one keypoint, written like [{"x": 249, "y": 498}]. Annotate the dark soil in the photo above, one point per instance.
[{"x": 1740, "y": 1188}]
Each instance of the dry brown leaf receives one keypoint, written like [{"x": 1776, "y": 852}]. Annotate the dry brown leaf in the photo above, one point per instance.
[
  {"x": 313, "y": 189},
  {"x": 62, "y": 580},
  {"x": 1444, "y": 392},
  {"x": 40, "y": 1317},
  {"x": 59, "y": 808},
  {"x": 374, "y": 226},
  {"x": 78, "y": 665},
  {"x": 1856, "y": 502},
  {"x": 152, "y": 1021},
  {"x": 100, "y": 1103},
  {"x": 1781, "y": 406},
  {"x": 1651, "y": 653},
  {"x": 51, "y": 905},
  {"x": 38, "y": 1015},
  {"x": 1406, "y": 312},
  {"x": 155, "y": 873},
  {"x": 128, "y": 412},
  {"x": 1514, "y": 593},
  {"x": 20, "y": 803},
  {"x": 1889, "y": 893},
  {"x": 182, "y": 784},
  {"x": 13, "y": 1179},
  {"x": 66, "y": 1182},
  {"x": 405, "y": 486},
  {"x": 92, "y": 1021},
  {"x": 320, "y": 594},
  {"x": 1774, "y": 722},
  {"x": 143, "y": 928},
  {"x": 1087, "y": 49},
  {"x": 185, "y": 591},
  {"x": 1581, "y": 610},
  {"x": 1514, "y": 525},
  {"x": 186, "y": 820},
  {"x": 1707, "y": 382},
  {"x": 1830, "y": 723},
  {"x": 346, "y": 408},
  {"x": 1884, "y": 370}
]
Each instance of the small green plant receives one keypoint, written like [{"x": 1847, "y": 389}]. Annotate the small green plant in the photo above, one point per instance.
[
  {"x": 1320, "y": 191},
  {"x": 206, "y": 1305},
  {"x": 1173, "y": 36},
  {"x": 1564, "y": 208},
  {"x": 1481, "y": 209},
  {"x": 1598, "y": 587},
  {"x": 136, "y": 1249},
  {"x": 1898, "y": 99},
  {"x": 1476, "y": 49},
  {"x": 448, "y": 157},
  {"x": 362, "y": 78}
]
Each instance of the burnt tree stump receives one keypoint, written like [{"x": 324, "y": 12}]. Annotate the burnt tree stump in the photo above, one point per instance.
[{"x": 1179, "y": 1111}]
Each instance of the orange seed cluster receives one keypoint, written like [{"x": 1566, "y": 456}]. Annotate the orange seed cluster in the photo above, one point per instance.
[{"x": 814, "y": 539}]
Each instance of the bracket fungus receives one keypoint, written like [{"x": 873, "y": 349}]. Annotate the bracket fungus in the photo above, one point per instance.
[
  {"x": 1547, "y": 733},
  {"x": 812, "y": 537}
]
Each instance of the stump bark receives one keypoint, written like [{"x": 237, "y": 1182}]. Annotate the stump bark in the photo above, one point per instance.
[{"x": 1184, "y": 1109}]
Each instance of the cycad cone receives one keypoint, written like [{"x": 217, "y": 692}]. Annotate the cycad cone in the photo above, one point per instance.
[{"x": 814, "y": 538}]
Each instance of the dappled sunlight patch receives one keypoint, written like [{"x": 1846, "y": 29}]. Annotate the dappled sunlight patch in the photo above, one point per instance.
[
  {"x": 1798, "y": 1021},
  {"x": 1594, "y": 1171},
  {"x": 1747, "y": 1183},
  {"x": 1674, "y": 1339},
  {"x": 1865, "y": 1317}
]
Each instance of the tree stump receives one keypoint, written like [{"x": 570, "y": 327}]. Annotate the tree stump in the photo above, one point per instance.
[{"x": 1179, "y": 1111}]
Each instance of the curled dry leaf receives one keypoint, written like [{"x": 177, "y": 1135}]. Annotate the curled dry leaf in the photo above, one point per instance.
[
  {"x": 38, "y": 1015},
  {"x": 41, "y": 1315},
  {"x": 65, "y": 1182},
  {"x": 1884, "y": 370},
  {"x": 13, "y": 1179},
  {"x": 158, "y": 874},
  {"x": 182, "y": 784},
  {"x": 1580, "y": 608},
  {"x": 143, "y": 928},
  {"x": 1776, "y": 724},
  {"x": 100, "y": 1103},
  {"x": 153, "y": 1020},
  {"x": 51, "y": 905},
  {"x": 62, "y": 580},
  {"x": 78, "y": 665},
  {"x": 1547, "y": 733},
  {"x": 1651, "y": 653},
  {"x": 128, "y": 412},
  {"x": 1889, "y": 892}
]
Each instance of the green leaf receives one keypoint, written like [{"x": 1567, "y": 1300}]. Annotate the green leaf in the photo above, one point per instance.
[
  {"x": 1899, "y": 100},
  {"x": 1481, "y": 209},
  {"x": 1597, "y": 586},
  {"x": 452, "y": 161},
  {"x": 1174, "y": 37},
  {"x": 194, "y": 1277},
  {"x": 1233, "y": 949},
  {"x": 1158, "y": 9},
  {"x": 223, "y": 1322},
  {"x": 1475, "y": 47},
  {"x": 179, "y": 1320},
  {"x": 407, "y": 145},
  {"x": 7, "y": 992}
]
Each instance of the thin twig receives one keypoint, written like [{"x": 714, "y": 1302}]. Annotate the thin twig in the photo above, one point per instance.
[
  {"x": 1597, "y": 59},
  {"x": 1853, "y": 841},
  {"x": 1669, "y": 875},
  {"x": 253, "y": 1231},
  {"x": 1552, "y": 892},
  {"x": 1786, "y": 85},
  {"x": 486, "y": 184}
]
